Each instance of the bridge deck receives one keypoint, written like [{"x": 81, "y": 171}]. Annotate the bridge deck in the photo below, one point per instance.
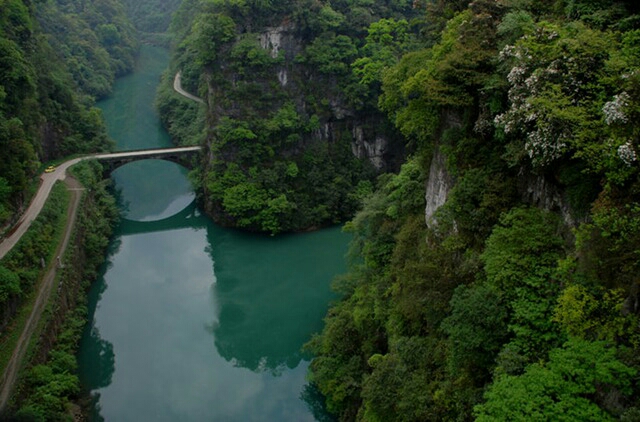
[{"x": 145, "y": 152}]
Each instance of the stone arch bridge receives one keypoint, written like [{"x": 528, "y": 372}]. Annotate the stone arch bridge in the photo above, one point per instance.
[{"x": 185, "y": 156}]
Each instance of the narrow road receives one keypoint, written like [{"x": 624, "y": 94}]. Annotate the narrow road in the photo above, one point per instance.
[
  {"x": 44, "y": 291},
  {"x": 47, "y": 180},
  {"x": 177, "y": 86}
]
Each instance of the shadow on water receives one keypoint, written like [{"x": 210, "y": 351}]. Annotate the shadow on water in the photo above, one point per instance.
[
  {"x": 316, "y": 404},
  {"x": 96, "y": 358},
  {"x": 271, "y": 293}
]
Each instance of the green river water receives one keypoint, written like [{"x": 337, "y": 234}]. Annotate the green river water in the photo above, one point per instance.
[{"x": 190, "y": 321}]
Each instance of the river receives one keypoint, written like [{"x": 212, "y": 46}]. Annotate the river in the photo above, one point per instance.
[{"x": 190, "y": 321}]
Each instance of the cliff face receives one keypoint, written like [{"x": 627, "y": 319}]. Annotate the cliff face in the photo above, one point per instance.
[
  {"x": 439, "y": 183},
  {"x": 284, "y": 138},
  {"x": 290, "y": 77},
  {"x": 293, "y": 133}
]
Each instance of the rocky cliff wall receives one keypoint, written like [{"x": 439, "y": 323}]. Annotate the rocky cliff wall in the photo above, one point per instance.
[{"x": 290, "y": 77}]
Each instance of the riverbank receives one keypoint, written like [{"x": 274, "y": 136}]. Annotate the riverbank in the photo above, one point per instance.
[
  {"x": 42, "y": 295},
  {"x": 47, "y": 385}
]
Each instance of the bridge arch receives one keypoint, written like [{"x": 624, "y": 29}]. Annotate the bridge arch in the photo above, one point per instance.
[
  {"x": 184, "y": 156},
  {"x": 186, "y": 218}
]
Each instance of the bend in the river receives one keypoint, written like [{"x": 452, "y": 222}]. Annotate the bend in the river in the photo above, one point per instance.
[{"x": 190, "y": 321}]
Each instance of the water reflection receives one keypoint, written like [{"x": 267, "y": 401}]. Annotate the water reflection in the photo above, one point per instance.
[
  {"x": 150, "y": 190},
  {"x": 97, "y": 353},
  {"x": 189, "y": 217},
  {"x": 271, "y": 294},
  {"x": 316, "y": 404},
  {"x": 146, "y": 349}
]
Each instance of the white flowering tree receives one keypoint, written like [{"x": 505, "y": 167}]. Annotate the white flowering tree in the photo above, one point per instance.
[{"x": 567, "y": 98}]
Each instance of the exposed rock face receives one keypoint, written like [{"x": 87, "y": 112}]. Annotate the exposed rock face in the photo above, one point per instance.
[
  {"x": 538, "y": 191},
  {"x": 372, "y": 149},
  {"x": 368, "y": 141},
  {"x": 271, "y": 39},
  {"x": 439, "y": 184},
  {"x": 282, "y": 124}
]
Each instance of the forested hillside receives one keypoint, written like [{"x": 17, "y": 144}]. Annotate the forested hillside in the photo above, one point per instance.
[
  {"x": 295, "y": 134},
  {"x": 519, "y": 299},
  {"x": 56, "y": 57},
  {"x": 151, "y": 19},
  {"x": 495, "y": 276}
]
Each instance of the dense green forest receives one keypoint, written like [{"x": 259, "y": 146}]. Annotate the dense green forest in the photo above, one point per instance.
[
  {"x": 151, "y": 19},
  {"x": 286, "y": 110},
  {"x": 518, "y": 298},
  {"x": 519, "y": 301},
  {"x": 151, "y": 16},
  {"x": 56, "y": 58}
]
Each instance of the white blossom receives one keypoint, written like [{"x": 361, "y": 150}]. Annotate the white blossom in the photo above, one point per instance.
[
  {"x": 482, "y": 125},
  {"x": 544, "y": 145},
  {"x": 516, "y": 75},
  {"x": 614, "y": 110},
  {"x": 532, "y": 82},
  {"x": 506, "y": 52},
  {"x": 627, "y": 153}
]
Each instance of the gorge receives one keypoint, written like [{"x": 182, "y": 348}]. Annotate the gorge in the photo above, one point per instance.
[{"x": 481, "y": 154}]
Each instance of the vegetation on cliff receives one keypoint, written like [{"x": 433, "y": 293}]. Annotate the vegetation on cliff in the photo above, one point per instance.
[
  {"x": 286, "y": 110},
  {"x": 520, "y": 303},
  {"x": 519, "y": 299}
]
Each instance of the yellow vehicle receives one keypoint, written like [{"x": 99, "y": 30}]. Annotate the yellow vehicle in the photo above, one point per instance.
[{"x": 50, "y": 169}]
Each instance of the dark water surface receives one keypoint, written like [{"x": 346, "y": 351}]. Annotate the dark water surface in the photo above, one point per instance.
[{"x": 191, "y": 321}]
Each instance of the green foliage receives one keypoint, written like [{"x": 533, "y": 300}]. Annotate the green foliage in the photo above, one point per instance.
[
  {"x": 446, "y": 75},
  {"x": 476, "y": 203},
  {"x": 182, "y": 117},
  {"x": 19, "y": 268},
  {"x": 519, "y": 259},
  {"x": 387, "y": 39},
  {"x": 5, "y": 194},
  {"x": 594, "y": 317},
  {"x": 534, "y": 106},
  {"x": 48, "y": 389},
  {"x": 515, "y": 25},
  {"x": 561, "y": 389},
  {"x": 96, "y": 41},
  {"x": 279, "y": 82},
  {"x": 607, "y": 247},
  {"x": 151, "y": 16},
  {"x": 54, "y": 57},
  {"x": 9, "y": 284},
  {"x": 210, "y": 32},
  {"x": 338, "y": 371},
  {"x": 477, "y": 330},
  {"x": 332, "y": 54},
  {"x": 568, "y": 97}
]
